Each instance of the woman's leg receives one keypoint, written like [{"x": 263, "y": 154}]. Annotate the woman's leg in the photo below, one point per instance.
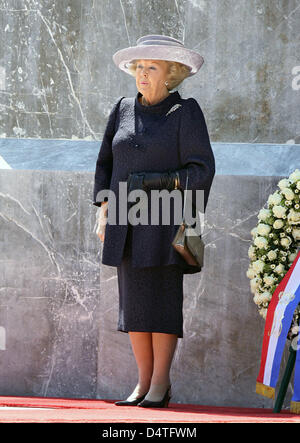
[
  {"x": 164, "y": 346},
  {"x": 141, "y": 343}
]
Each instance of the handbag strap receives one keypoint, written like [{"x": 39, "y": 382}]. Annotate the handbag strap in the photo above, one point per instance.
[{"x": 187, "y": 178}]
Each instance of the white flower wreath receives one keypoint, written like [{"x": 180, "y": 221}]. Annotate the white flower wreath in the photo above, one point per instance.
[{"x": 276, "y": 240}]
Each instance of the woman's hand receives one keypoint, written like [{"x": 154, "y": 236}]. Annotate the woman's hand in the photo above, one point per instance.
[
  {"x": 101, "y": 221},
  {"x": 153, "y": 180}
]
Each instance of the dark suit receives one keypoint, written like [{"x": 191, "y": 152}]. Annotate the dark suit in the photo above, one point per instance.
[{"x": 139, "y": 138}]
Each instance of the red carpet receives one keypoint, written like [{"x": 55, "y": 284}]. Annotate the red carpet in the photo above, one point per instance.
[{"x": 58, "y": 410}]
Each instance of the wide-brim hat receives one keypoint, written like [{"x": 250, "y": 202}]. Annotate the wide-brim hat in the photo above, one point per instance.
[{"x": 159, "y": 47}]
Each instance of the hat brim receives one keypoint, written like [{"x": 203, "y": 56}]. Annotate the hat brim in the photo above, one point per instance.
[{"x": 188, "y": 57}]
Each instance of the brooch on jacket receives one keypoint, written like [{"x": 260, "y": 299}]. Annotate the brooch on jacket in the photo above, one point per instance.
[{"x": 173, "y": 108}]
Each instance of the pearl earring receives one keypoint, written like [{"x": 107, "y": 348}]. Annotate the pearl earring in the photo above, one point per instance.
[{"x": 166, "y": 83}]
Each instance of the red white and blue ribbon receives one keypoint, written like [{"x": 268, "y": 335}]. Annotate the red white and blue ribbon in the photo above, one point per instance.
[
  {"x": 280, "y": 313},
  {"x": 295, "y": 403}
]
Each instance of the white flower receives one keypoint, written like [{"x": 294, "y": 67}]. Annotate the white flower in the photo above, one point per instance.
[
  {"x": 258, "y": 266},
  {"x": 279, "y": 269},
  {"x": 293, "y": 217},
  {"x": 274, "y": 199},
  {"x": 278, "y": 224},
  {"x": 295, "y": 330},
  {"x": 263, "y": 312},
  {"x": 279, "y": 211},
  {"x": 260, "y": 242},
  {"x": 266, "y": 297},
  {"x": 298, "y": 185},
  {"x": 253, "y": 231},
  {"x": 284, "y": 183},
  {"x": 257, "y": 298},
  {"x": 272, "y": 255},
  {"x": 251, "y": 253},
  {"x": 264, "y": 214},
  {"x": 263, "y": 229},
  {"x": 254, "y": 285},
  {"x": 286, "y": 241},
  {"x": 288, "y": 193},
  {"x": 295, "y": 176},
  {"x": 296, "y": 234},
  {"x": 269, "y": 280},
  {"x": 250, "y": 273}
]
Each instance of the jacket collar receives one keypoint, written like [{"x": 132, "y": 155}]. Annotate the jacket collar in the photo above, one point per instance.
[{"x": 161, "y": 107}]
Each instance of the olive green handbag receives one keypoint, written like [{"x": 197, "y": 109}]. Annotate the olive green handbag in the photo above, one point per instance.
[{"x": 188, "y": 243}]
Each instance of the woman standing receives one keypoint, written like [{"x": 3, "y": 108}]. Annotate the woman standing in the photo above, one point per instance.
[{"x": 151, "y": 142}]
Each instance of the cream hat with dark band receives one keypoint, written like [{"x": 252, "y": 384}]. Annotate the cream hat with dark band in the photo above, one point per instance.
[{"x": 159, "y": 47}]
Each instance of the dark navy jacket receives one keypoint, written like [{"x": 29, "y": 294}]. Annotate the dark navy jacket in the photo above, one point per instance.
[{"x": 150, "y": 138}]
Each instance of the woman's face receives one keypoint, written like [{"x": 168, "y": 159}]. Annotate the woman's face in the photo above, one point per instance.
[{"x": 151, "y": 76}]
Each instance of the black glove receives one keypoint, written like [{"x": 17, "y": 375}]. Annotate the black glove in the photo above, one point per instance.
[{"x": 152, "y": 180}]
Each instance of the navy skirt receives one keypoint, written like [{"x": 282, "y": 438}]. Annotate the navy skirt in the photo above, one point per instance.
[{"x": 150, "y": 298}]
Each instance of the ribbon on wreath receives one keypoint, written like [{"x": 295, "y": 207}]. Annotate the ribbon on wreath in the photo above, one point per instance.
[
  {"x": 285, "y": 299},
  {"x": 295, "y": 403}
]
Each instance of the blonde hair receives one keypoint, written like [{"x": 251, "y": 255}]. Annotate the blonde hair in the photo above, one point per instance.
[{"x": 177, "y": 72}]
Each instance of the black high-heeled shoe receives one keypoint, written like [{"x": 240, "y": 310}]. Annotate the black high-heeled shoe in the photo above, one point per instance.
[
  {"x": 157, "y": 404},
  {"x": 130, "y": 403}
]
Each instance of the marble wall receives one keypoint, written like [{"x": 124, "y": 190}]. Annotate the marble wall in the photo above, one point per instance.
[
  {"x": 49, "y": 284},
  {"x": 58, "y": 80},
  {"x": 59, "y": 307}
]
